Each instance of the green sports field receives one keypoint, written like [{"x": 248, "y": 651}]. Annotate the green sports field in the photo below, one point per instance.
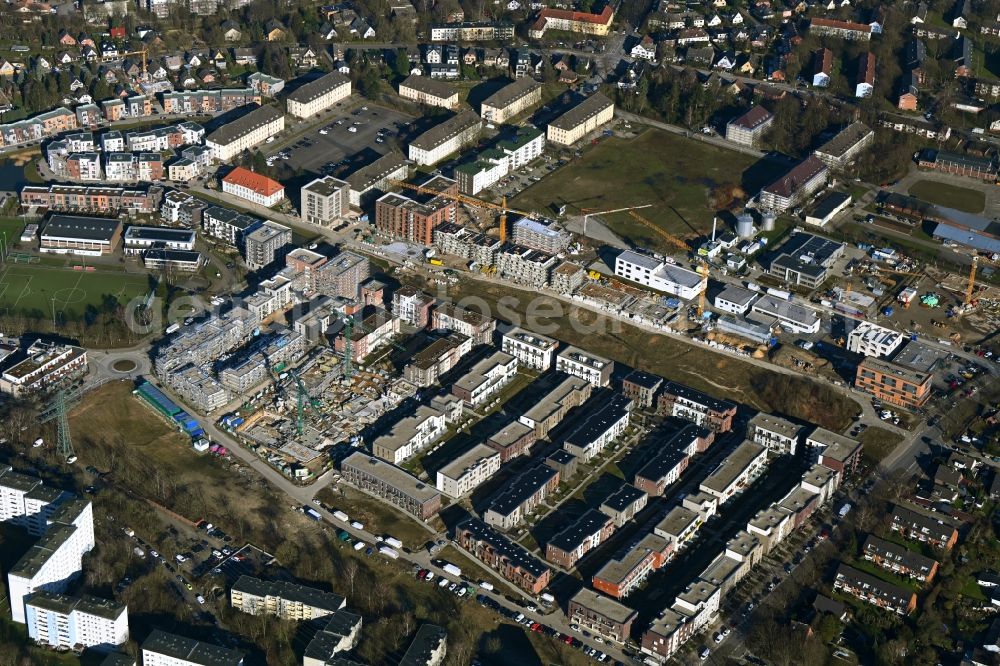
[{"x": 26, "y": 287}]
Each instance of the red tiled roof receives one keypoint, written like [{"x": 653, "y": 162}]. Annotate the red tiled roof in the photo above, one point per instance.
[
  {"x": 254, "y": 181},
  {"x": 604, "y": 18},
  {"x": 866, "y": 68}
]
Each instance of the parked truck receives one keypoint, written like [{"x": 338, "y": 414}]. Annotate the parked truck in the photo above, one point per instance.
[
  {"x": 453, "y": 570},
  {"x": 388, "y": 552},
  {"x": 392, "y": 541},
  {"x": 312, "y": 513},
  {"x": 340, "y": 515}
]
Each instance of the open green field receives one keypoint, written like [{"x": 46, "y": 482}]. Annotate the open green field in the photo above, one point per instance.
[
  {"x": 943, "y": 194},
  {"x": 687, "y": 182},
  {"x": 26, "y": 287}
]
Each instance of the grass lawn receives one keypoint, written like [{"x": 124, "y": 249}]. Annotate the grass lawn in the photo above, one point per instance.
[
  {"x": 971, "y": 590},
  {"x": 882, "y": 574},
  {"x": 686, "y": 181},
  {"x": 878, "y": 443},
  {"x": 34, "y": 286},
  {"x": 378, "y": 518},
  {"x": 943, "y": 194}
]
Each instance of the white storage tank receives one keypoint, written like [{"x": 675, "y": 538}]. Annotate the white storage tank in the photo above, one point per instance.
[
  {"x": 744, "y": 226},
  {"x": 768, "y": 222}
]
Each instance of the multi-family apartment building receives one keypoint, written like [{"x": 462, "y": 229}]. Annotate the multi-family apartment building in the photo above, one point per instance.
[
  {"x": 472, "y": 31},
  {"x": 228, "y": 225},
  {"x": 846, "y": 146},
  {"x": 572, "y": 21},
  {"x": 467, "y": 471},
  {"x": 673, "y": 452},
  {"x": 551, "y": 409},
  {"x": 691, "y": 405},
  {"x": 842, "y": 29},
  {"x": 576, "y": 540},
  {"x": 478, "y": 326},
  {"x": 548, "y": 238},
  {"x": 918, "y": 524},
  {"x": 838, "y": 452},
  {"x": 641, "y": 387},
  {"x": 525, "y": 145},
  {"x": 210, "y": 102},
  {"x": 163, "y": 649},
  {"x": 679, "y": 527},
  {"x": 749, "y": 128},
  {"x": 398, "y": 216},
  {"x": 532, "y": 350},
  {"x": 69, "y": 623},
  {"x": 45, "y": 366},
  {"x": 526, "y": 266},
  {"x": 376, "y": 177},
  {"x": 601, "y": 426},
  {"x": 520, "y": 497},
  {"x": 65, "y": 527},
  {"x": 325, "y": 201},
  {"x": 623, "y": 504},
  {"x": 410, "y": 434},
  {"x": 875, "y": 591},
  {"x": 601, "y": 614},
  {"x": 584, "y": 118},
  {"x": 391, "y": 484},
  {"x": 512, "y": 440},
  {"x": 437, "y": 358},
  {"x": 341, "y": 633},
  {"x": 445, "y": 138},
  {"x": 899, "y": 559},
  {"x": 623, "y": 574},
  {"x": 428, "y": 91},
  {"x": 265, "y": 244},
  {"x": 485, "y": 379},
  {"x": 514, "y": 563},
  {"x": 592, "y": 368},
  {"x": 74, "y": 198},
  {"x": 736, "y": 472},
  {"x": 284, "y": 600},
  {"x": 311, "y": 98},
  {"x": 778, "y": 435},
  {"x": 254, "y": 187},
  {"x": 795, "y": 186},
  {"x": 479, "y": 248},
  {"x": 894, "y": 383},
  {"x": 511, "y": 100},
  {"x": 244, "y": 133}
]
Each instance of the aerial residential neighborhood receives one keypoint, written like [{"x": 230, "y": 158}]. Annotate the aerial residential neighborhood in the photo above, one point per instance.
[{"x": 635, "y": 333}]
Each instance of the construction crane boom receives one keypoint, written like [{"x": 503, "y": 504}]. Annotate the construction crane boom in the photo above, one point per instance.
[
  {"x": 142, "y": 53},
  {"x": 469, "y": 201},
  {"x": 972, "y": 280},
  {"x": 681, "y": 245},
  {"x": 588, "y": 212}
]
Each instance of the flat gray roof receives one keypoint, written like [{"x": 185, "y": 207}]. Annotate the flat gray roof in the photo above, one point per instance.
[
  {"x": 195, "y": 652},
  {"x": 734, "y": 465},
  {"x": 604, "y": 605},
  {"x": 462, "y": 462}
]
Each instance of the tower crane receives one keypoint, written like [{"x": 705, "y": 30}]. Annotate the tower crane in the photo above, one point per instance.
[
  {"x": 681, "y": 245},
  {"x": 142, "y": 52},
  {"x": 972, "y": 281},
  {"x": 469, "y": 201},
  {"x": 588, "y": 212}
]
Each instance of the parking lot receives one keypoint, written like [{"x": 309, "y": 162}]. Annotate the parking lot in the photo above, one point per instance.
[{"x": 347, "y": 141}]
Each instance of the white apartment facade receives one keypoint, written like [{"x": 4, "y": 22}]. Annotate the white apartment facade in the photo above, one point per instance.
[
  {"x": 589, "y": 367},
  {"x": 244, "y": 133},
  {"x": 56, "y": 558},
  {"x": 486, "y": 378},
  {"x": 446, "y": 138},
  {"x": 325, "y": 200},
  {"x": 659, "y": 275},
  {"x": 530, "y": 349},
  {"x": 468, "y": 471},
  {"x": 581, "y": 120},
  {"x": 66, "y": 623},
  {"x": 163, "y": 649},
  {"x": 319, "y": 95},
  {"x": 410, "y": 435}
]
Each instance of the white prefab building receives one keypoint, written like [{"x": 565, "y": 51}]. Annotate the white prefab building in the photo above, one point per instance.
[
  {"x": 57, "y": 557},
  {"x": 319, "y": 95},
  {"x": 530, "y": 349},
  {"x": 791, "y": 317},
  {"x": 462, "y": 475},
  {"x": 485, "y": 379},
  {"x": 659, "y": 275},
  {"x": 410, "y": 435},
  {"x": 67, "y": 623},
  {"x": 244, "y": 133},
  {"x": 873, "y": 340},
  {"x": 735, "y": 300},
  {"x": 163, "y": 649}
]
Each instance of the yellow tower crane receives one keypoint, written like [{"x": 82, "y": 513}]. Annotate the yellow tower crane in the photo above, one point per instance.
[
  {"x": 681, "y": 245},
  {"x": 144, "y": 53},
  {"x": 469, "y": 201},
  {"x": 972, "y": 281}
]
